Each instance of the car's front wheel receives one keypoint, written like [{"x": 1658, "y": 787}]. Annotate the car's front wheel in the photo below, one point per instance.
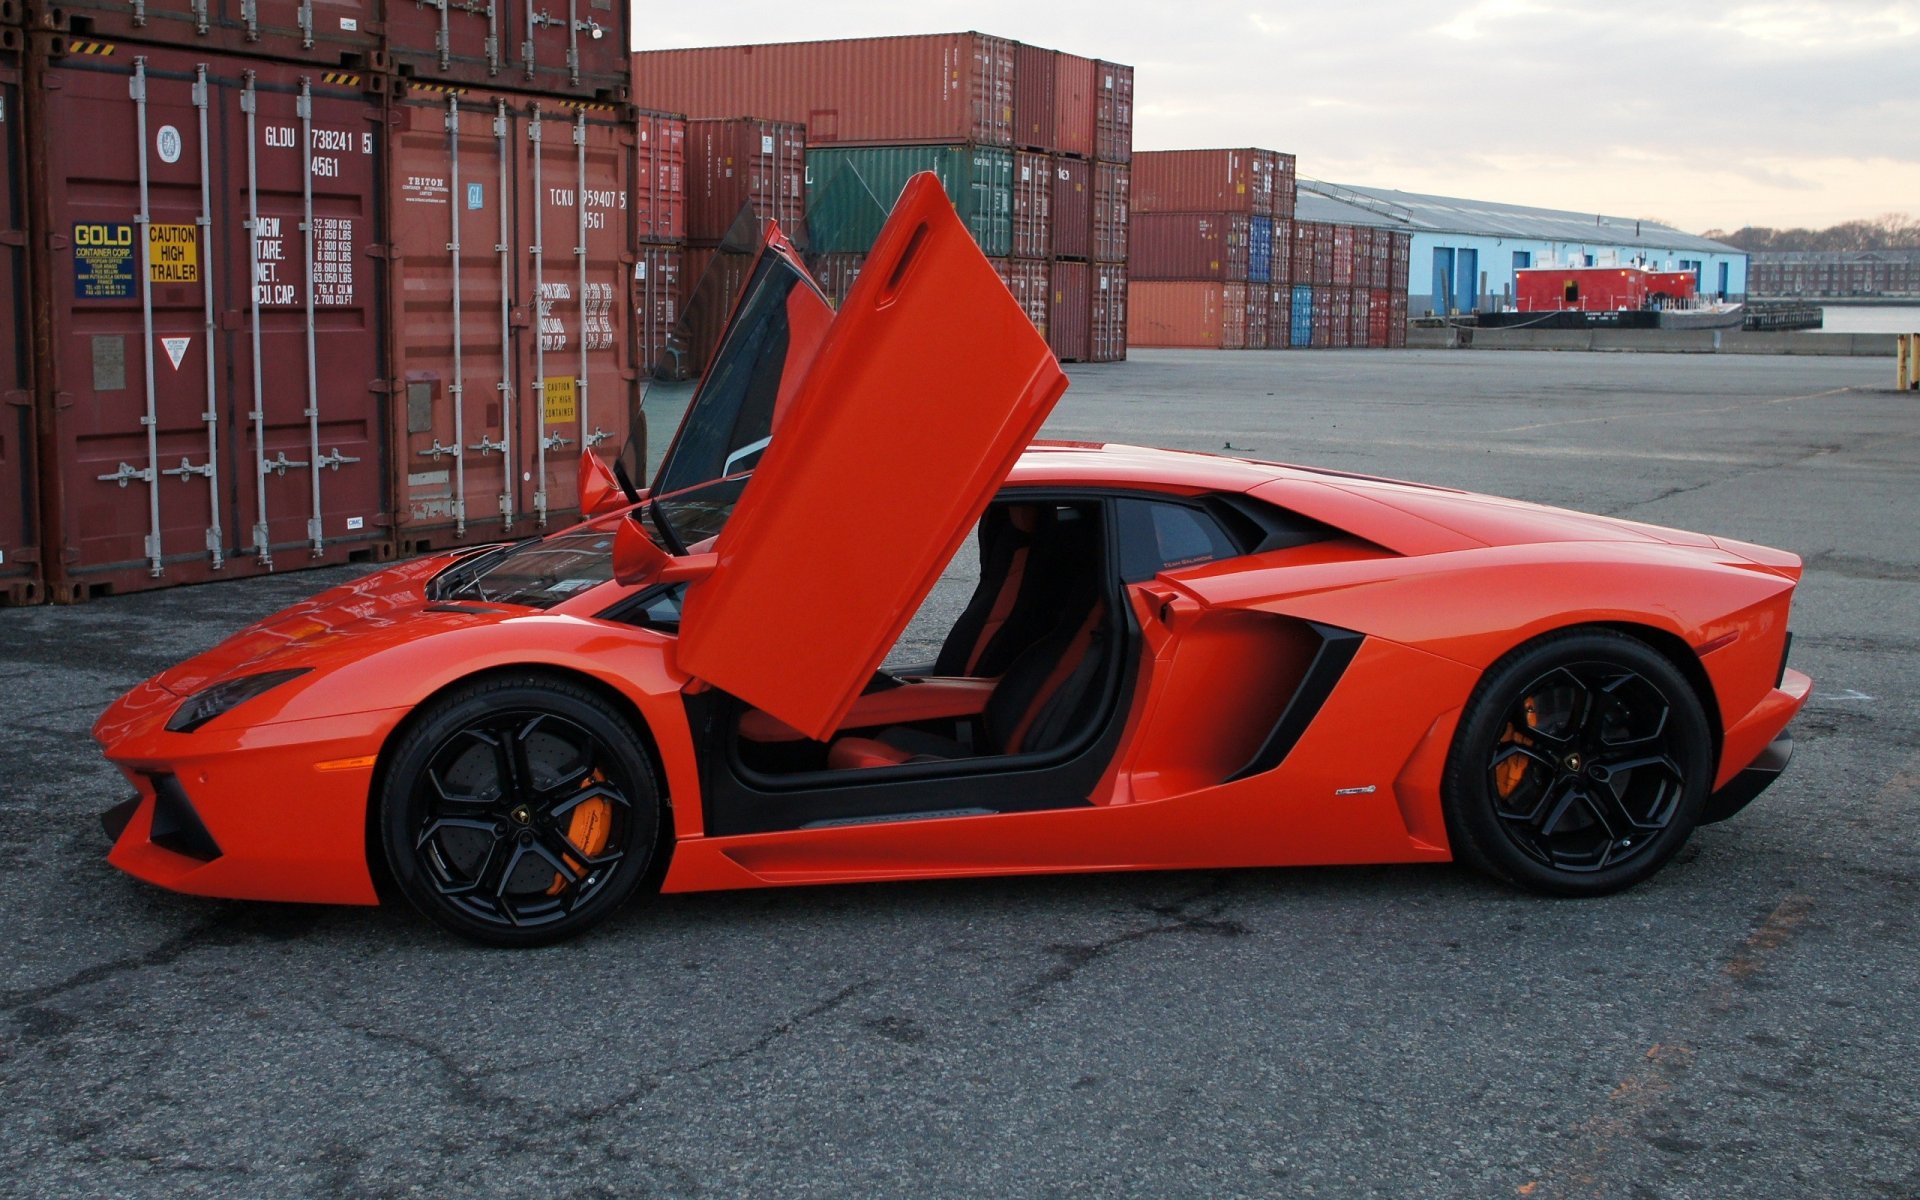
[
  {"x": 1580, "y": 765},
  {"x": 518, "y": 811}
]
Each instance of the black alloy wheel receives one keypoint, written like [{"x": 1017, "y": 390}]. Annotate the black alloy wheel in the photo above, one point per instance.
[
  {"x": 518, "y": 811},
  {"x": 1580, "y": 765}
]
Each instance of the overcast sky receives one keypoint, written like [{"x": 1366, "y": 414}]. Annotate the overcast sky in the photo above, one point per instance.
[{"x": 1707, "y": 115}]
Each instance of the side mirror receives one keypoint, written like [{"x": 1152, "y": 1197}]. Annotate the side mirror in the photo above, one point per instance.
[
  {"x": 637, "y": 560},
  {"x": 600, "y": 490}
]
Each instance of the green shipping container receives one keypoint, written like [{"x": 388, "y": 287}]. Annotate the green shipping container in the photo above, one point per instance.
[{"x": 850, "y": 191}]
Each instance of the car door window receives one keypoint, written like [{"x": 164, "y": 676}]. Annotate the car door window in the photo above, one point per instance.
[{"x": 1158, "y": 536}]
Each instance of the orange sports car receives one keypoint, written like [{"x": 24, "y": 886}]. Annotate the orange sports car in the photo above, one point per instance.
[{"x": 1169, "y": 660}]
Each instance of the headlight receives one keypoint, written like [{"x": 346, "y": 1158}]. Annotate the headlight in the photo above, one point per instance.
[{"x": 208, "y": 703}]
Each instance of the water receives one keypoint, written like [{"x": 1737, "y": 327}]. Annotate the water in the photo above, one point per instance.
[{"x": 1864, "y": 318}]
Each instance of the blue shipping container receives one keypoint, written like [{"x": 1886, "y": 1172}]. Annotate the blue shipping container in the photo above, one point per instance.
[
  {"x": 1260, "y": 250},
  {"x": 1302, "y": 315}
]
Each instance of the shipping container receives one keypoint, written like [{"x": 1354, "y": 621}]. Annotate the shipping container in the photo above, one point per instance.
[
  {"x": 656, "y": 310},
  {"x": 1075, "y": 84},
  {"x": 1033, "y": 98},
  {"x": 1187, "y": 313},
  {"x": 1112, "y": 202},
  {"x": 936, "y": 88},
  {"x": 1260, "y": 250},
  {"x": 1070, "y": 312},
  {"x": 1072, "y": 208},
  {"x": 1282, "y": 250},
  {"x": 1362, "y": 256},
  {"x": 844, "y": 215},
  {"x": 1339, "y": 316},
  {"x": 710, "y": 282},
  {"x": 1320, "y": 274},
  {"x": 1238, "y": 181},
  {"x": 659, "y": 177},
  {"x": 1031, "y": 282},
  {"x": 1300, "y": 333},
  {"x": 1322, "y": 316},
  {"x": 326, "y": 33},
  {"x": 744, "y": 164},
  {"x": 1113, "y": 113},
  {"x": 1360, "y": 317},
  {"x": 513, "y": 276},
  {"x": 1286, "y": 185},
  {"x": 1279, "y": 316},
  {"x": 835, "y": 273},
  {"x": 580, "y": 49},
  {"x": 1259, "y": 312},
  {"x": 1305, "y": 233},
  {"x": 212, "y": 317},
  {"x": 1032, "y": 205},
  {"x": 1397, "y": 322},
  {"x": 1379, "y": 318},
  {"x": 1341, "y": 240},
  {"x": 1109, "y": 313},
  {"x": 978, "y": 178},
  {"x": 20, "y": 579},
  {"x": 1189, "y": 246}
]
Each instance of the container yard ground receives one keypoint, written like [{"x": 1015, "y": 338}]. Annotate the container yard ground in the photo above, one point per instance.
[{"x": 1741, "y": 1025}]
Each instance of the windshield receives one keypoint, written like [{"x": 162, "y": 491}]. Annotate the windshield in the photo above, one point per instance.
[{"x": 538, "y": 573}]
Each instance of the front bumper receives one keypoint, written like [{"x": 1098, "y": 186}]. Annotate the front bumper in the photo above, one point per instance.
[{"x": 1758, "y": 777}]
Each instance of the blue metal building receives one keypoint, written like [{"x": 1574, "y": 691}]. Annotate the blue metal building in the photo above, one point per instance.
[{"x": 1465, "y": 252}]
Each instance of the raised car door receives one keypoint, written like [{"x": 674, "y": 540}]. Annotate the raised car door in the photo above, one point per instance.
[{"x": 928, "y": 385}]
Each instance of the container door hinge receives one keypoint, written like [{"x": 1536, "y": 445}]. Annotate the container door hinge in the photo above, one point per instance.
[
  {"x": 279, "y": 464},
  {"x": 333, "y": 459},
  {"x": 127, "y": 474}
]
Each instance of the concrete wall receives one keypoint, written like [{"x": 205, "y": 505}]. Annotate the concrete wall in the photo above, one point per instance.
[
  {"x": 1655, "y": 341},
  {"x": 1496, "y": 265}
]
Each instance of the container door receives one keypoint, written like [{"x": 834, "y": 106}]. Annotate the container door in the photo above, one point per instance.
[
  {"x": 303, "y": 209},
  {"x": 19, "y": 497},
  {"x": 454, "y": 162},
  {"x": 929, "y": 384},
  {"x": 577, "y": 358}
]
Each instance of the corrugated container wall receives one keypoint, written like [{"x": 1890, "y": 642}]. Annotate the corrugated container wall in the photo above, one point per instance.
[
  {"x": 1189, "y": 246},
  {"x": 1112, "y": 202},
  {"x": 1113, "y": 113},
  {"x": 507, "y": 361},
  {"x": 1072, "y": 208},
  {"x": 956, "y": 87},
  {"x": 656, "y": 309},
  {"x": 659, "y": 177},
  {"x": 20, "y": 580},
  {"x": 215, "y": 403},
  {"x": 1109, "y": 313},
  {"x": 1031, "y": 282},
  {"x": 978, "y": 178},
  {"x": 1032, "y": 205},
  {"x": 1260, "y": 250},
  {"x": 573, "y": 48},
  {"x": 1192, "y": 314},
  {"x": 1070, "y": 314},
  {"x": 741, "y": 164},
  {"x": 1033, "y": 98},
  {"x": 1075, "y": 81},
  {"x": 1259, "y": 310}
]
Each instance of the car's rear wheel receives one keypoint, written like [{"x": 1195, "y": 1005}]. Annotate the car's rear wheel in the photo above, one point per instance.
[
  {"x": 1580, "y": 765},
  {"x": 518, "y": 811}
]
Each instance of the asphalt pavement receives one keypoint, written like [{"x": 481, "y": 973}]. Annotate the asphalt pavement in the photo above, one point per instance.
[{"x": 1744, "y": 1024}]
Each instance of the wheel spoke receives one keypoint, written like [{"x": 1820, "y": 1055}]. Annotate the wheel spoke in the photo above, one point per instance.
[
  {"x": 439, "y": 823},
  {"x": 1565, "y": 796}
]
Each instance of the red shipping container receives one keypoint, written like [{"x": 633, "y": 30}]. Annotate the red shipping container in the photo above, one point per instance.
[
  {"x": 1379, "y": 318},
  {"x": 580, "y": 49},
  {"x": 1286, "y": 186},
  {"x": 656, "y": 309},
  {"x": 660, "y": 177},
  {"x": 1192, "y": 314},
  {"x": 1305, "y": 234},
  {"x": 1072, "y": 208},
  {"x": 1397, "y": 322},
  {"x": 1342, "y": 242},
  {"x": 1109, "y": 313},
  {"x": 1323, "y": 322},
  {"x": 1324, "y": 238},
  {"x": 1070, "y": 312},
  {"x": 738, "y": 164},
  {"x": 507, "y": 361},
  {"x": 331, "y": 33},
  {"x": 20, "y": 581},
  {"x": 1189, "y": 246},
  {"x": 1032, "y": 205},
  {"x": 1031, "y": 282},
  {"x": 1238, "y": 180},
  {"x": 1282, "y": 251},
  {"x": 1360, "y": 317},
  {"x": 1340, "y": 317},
  {"x": 835, "y": 274},
  {"x": 1259, "y": 315},
  {"x": 1112, "y": 201},
  {"x": 1280, "y": 319},
  {"x": 1074, "y": 83},
  {"x": 936, "y": 88},
  {"x": 1033, "y": 98},
  {"x": 1362, "y": 256},
  {"x": 214, "y": 378},
  {"x": 1113, "y": 113}
]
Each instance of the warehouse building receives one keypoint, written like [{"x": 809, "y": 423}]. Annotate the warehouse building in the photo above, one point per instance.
[{"x": 1465, "y": 252}]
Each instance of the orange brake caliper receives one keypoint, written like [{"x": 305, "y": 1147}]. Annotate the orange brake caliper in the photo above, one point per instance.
[
  {"x": 589, "y": 829},
  {"x": 1508, "y": 774}
]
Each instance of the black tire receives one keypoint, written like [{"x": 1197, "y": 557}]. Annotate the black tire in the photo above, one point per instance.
[
  {"x": 1580, "y": 766},
  {"x": 518, "y": 810}
]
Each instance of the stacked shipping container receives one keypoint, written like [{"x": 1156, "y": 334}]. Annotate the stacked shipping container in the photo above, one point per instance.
[
  {"x": 1032, "y": 144},
  {"x": 308, "y": 284},
  {"x": 1218, "y": 218},
  {"x": 1349, "y": 286}
]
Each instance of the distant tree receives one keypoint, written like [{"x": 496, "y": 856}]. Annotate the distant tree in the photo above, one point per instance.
[{"x": 1889, "y": 231}]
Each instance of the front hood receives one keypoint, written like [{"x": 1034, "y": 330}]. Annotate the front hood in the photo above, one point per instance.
[{"x": 346, "y": 622}]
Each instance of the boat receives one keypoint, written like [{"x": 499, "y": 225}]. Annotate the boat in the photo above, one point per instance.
[{"x": 1615, "y": 296}]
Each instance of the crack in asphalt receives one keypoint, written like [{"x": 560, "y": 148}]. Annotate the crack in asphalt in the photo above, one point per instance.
[
  {"x": 199, "y": 936},
  {"x": 1077, "y": 956},
  {"x": 1757, "y": 468}
]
